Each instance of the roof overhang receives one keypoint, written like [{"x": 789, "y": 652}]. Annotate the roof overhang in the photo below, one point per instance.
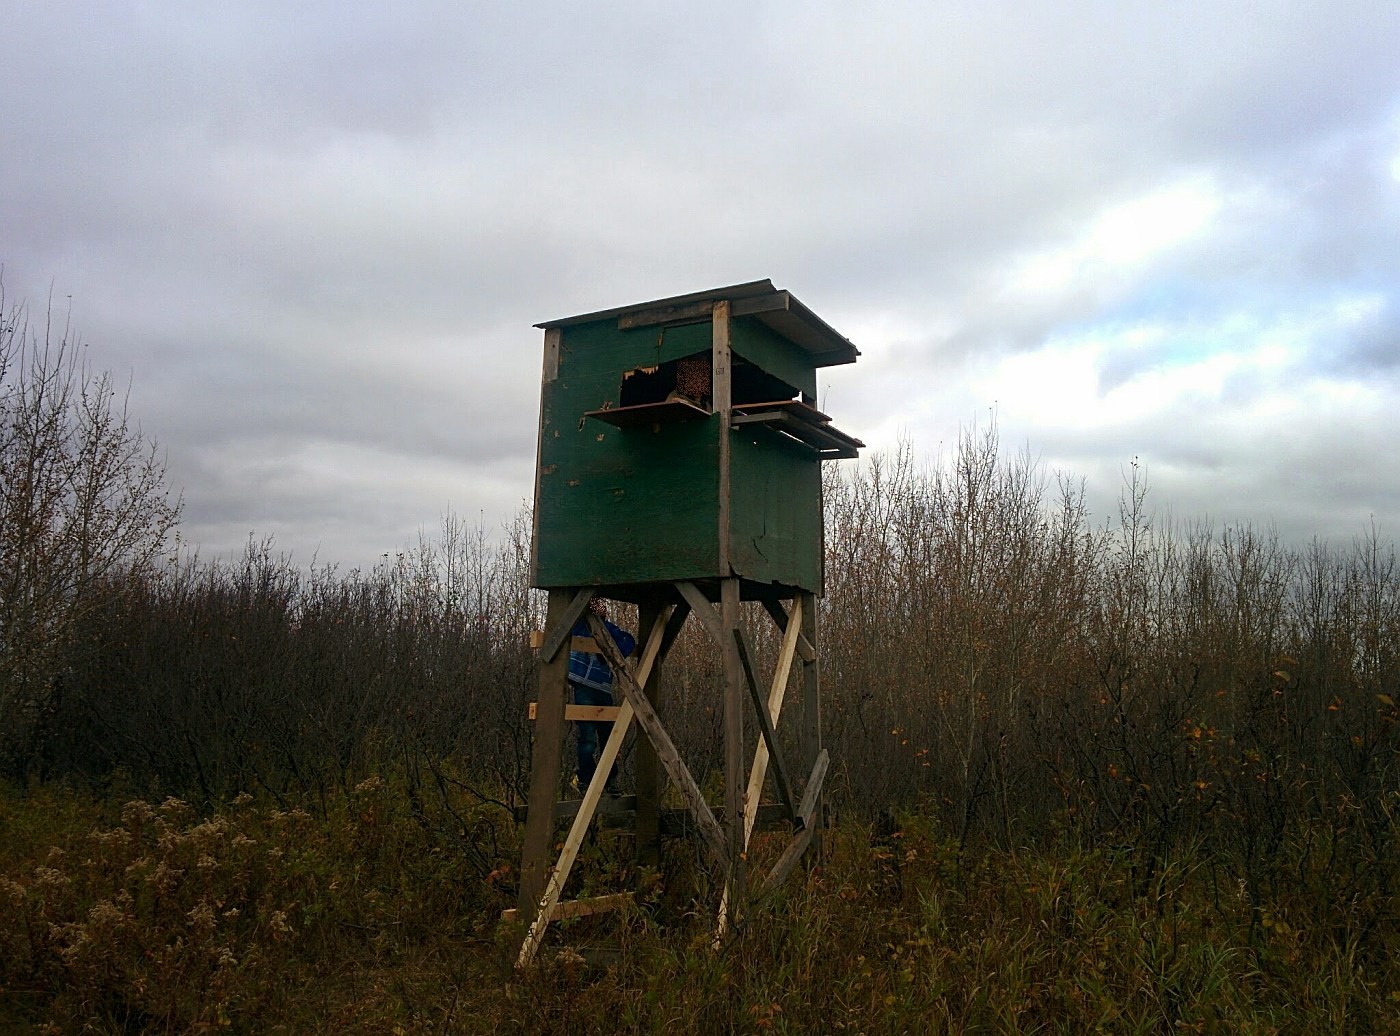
[{"x": 778, "y": 308}]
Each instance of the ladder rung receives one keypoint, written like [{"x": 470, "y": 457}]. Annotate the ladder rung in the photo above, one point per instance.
[
  {"x": 587, "y": 644},
  {"x": 589, "y": 713},
  {"x": 582, "y": 907}
]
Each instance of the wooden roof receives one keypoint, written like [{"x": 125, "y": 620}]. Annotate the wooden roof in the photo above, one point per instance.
[{"x": 776, "y": 307}]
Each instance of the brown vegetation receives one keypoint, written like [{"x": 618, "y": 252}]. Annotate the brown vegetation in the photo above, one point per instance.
[{"x": 1144, "y": 776}]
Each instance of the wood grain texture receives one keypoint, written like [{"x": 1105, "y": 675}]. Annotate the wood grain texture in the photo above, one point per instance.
[
  {"x": 734, "y": 753},
  {"x": 559, "y": 874},
  {"x": 650, "y": 612},
  {"x": 545, "y": 763},
  {"x": 562, "y": 629},
  {"x": 766, "y": 730},
  {"x": 721, "y": 371},
  {"x": 711, "y": 835}
]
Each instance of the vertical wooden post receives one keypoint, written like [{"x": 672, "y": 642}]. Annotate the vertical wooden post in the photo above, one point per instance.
[
  {"x": 811, "y": 737},
  {"x": 722, "y": 399},
  {"x": 648, "y": 768},
  {"x": 545, "y": 764},
  {"x": 734, "y": 769}
]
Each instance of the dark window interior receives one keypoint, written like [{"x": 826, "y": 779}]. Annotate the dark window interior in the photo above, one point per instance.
[
  {"x": 752, "y": 384},
  {"x": 689, "y": 377}
]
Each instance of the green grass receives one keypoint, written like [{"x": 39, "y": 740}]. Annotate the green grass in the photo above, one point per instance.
[{"x": 148, "y": 917}]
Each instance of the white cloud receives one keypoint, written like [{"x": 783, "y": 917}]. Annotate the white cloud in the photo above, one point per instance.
[{"x": 1117, "y": 243}]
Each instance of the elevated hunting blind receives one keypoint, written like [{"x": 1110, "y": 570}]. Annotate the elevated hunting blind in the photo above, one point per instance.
[
  {"x": 679, "y": 468},
  {"x": 640, "y": 480}
]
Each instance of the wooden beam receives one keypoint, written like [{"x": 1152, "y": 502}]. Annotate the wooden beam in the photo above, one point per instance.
[
  {"x": 776, "y": 693},
  {"x": 705, "y": 612},
  {"x": 584, "y": 713},
  {"x": 800, "y": 841},
  {"x": 582, "y": 907},
  {"x": 811, "y": 734},
  {"x": 721, "y": 402},
  {"x": 733, "y": 739},
  {"x": 673, "y": 628},
  {"x": 774, "y": 607},
  {"x": 812, "y": 793},
  {"x": 754, "y": 793},
  {"x": 563, "y": 627},
  {"x": 666, "y": 753},
  {"x": 559, "y": 874},
  {"x": 803, "y": 838},
  {"x": 776, "y": 302},
  {"x": 765, "y": 726},
  {"x": 587, "y": 644},
  {"x": 689, "y": 314},
  {"x": 553, "y": 338},
  {"x": 647, "y": 827},
  {"x": 676, "y": 822},
  {"x": 545, "y": 763},
  {"x": 568, "y": 808}
]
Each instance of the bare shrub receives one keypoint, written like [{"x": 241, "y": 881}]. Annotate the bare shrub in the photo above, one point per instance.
[{"x": 83, "y": 503}]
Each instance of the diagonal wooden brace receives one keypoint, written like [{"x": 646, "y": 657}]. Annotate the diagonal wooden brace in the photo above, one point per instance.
[
  {"x": 556, "y": 637},
  {"x": 803, "y": 838},
  {"x": 666, "y": 752},
  {"x": 705, "y": 612},
  {"x": 765, "y": 724},
  {"x": 759, "y": 770},
  {"x": 774, "y": 608},
  {"x": 673, "y": 627},
  {"x": 559, "y": 874},
  {"x": 814, "y": 788}
]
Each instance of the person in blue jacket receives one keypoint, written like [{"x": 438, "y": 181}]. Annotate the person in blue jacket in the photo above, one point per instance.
[{"x": 592, "y": 680}]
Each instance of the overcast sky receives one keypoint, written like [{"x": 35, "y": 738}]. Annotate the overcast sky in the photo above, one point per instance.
[{"x": 316, "y": 236}]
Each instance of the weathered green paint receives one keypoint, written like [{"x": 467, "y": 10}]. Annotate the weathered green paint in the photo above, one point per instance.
[
  {"x": 622, "y": 505},
  {"x": 776, "y": 511},
  {"x": 618, "y": 506}
]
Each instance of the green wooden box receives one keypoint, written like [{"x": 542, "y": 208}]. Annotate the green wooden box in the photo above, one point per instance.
[{"x": 679, "y": 441}]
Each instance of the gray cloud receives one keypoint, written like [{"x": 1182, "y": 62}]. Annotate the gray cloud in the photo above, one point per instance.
[{"x": 317, "y": 236}]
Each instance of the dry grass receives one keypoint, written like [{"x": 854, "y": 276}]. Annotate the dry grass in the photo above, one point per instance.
[{"x": 257, "y": 918}]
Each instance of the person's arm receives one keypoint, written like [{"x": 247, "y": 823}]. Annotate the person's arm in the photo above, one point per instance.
[{"x": 625, "y": 642}]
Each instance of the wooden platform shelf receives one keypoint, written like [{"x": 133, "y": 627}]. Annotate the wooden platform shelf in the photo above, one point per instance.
[
  {"x": 666, "y": 412},
  {"x": 795, "y": 420}
]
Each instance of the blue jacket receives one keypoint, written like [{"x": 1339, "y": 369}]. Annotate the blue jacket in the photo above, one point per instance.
[{"x": 591, "y": 670}]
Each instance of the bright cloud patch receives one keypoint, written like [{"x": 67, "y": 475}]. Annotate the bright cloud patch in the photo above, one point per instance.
[
  {"x": 1121, "y": 238},
  {"x": 1240, "y": 363}
]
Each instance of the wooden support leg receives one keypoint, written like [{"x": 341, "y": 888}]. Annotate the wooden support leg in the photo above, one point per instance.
[
  {"x": 541, "y": 913},
  {"x": 545, "y": 763},
  {"x": 648, "y": 823},
  {"x": 810, "y": 830},
  {"x": 623, "y": 677},
  {"x": 769, "y": 735},
  {"x": 753, "y": 794},
  {"x": 734, "y": 753},
  {"x": 554, "y": 886},
  {"x": 811, "y": 739}
]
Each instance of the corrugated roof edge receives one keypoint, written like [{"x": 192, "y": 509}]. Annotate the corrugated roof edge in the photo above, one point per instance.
[{"x": 840, "y": 351}]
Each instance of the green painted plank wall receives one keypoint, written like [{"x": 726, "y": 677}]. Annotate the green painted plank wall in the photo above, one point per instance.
[
  {"x": 622, "y": 505},
  {"x": 640, "y": 505},
  {"x": 775, "y": 511}
]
